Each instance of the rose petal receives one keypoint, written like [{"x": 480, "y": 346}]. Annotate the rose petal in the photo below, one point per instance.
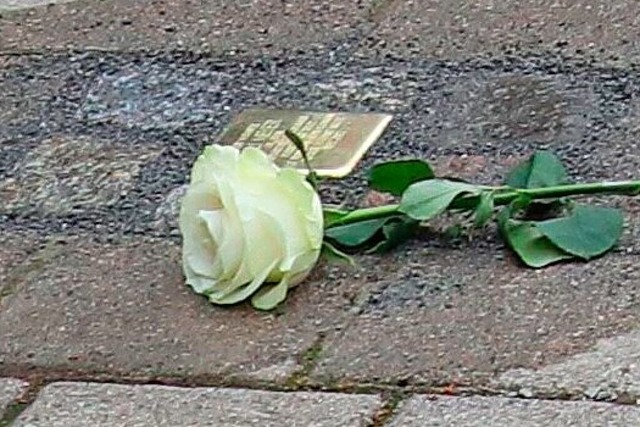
[
  {"x": 285, "y": 218},
  {"x": 242, "y": 277},
  {"x": 294, "y": 207},
  {"x": 255, "y": 164},
  {"x": 198, "y": 248},
  {"x": 200, "y": 284},
  {"x": 229, "y": 238},
  {"x": 265, "y": 239},
  {"x": 215, "y": 160},
  {"x": 307, "y": 202},
  {"x": 244, "y": 292},
  {"x": 269, "y": 297},
  {"x": 299, "y": 267}
]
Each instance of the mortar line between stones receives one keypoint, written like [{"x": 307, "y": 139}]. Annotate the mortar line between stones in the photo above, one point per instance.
[
  {"x": 389, "y": 408},
  {"x": 21, "y": 403},
  {"x": 308, "y": 361},
  {"x": 41, "y": 378}
]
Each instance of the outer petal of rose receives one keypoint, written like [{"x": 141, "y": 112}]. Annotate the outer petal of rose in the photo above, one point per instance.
[
  {"x": 301, "y": 266},
  {"x": 270, "y": 296},
  {"x": 264, "y": 239},
  {"x": 229, "y": 238},
  {"x": 230, "y": 196},
  {"x": 215, "y": 160},
  {"x": 296, "y": 207},
  {"x": 226, "y": 287},
  {"x": 200, "y": 284},
  {"x": 255, "y": 162},
  {"x": 237, "y": 269},
  {"x": 307, "y": 202},
  {"x": 257, "y": 177},
  {"x": 244, "y": 292},
  {"x": 301, "y": 257},
  {"x": 267, "y": 192},
  {"x": 199, "y": 250}
]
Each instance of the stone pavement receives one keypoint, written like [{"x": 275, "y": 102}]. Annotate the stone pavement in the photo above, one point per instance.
[
  {"x": 105, "y": 105},
  {"x": 84, "y": 404},
  {"x": 102, "y": 405},
  {"x": 10, "y": 391}
]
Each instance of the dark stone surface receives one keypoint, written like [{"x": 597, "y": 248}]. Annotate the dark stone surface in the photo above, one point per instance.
[
  {"x": 461, "y": 316},
  {"x": 474, "y": 118},
  {"x": 603, "y": 29}
]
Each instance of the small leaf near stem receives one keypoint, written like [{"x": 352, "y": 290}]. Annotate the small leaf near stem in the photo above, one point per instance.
[
  {"x": 589, "y": 231},
  {"x": 396, "y": 176},
  {"x": 531, "y": 246},
  {"x": 484, "y": 210},
  {"x": 335, "y": 255},
  {"x": 542, "y": 169},
  {"x": 333, "y": 216},
  {"x": 377, "y": 235},
  {"x": 297, "y": 141},
  {"x": 395, "y": 232},
  {"x": 427, "y": 199},
  {"x": 355, "y": 234}
]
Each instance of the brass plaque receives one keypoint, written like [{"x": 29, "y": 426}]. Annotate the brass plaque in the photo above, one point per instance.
[{"x": 335, "y": 142}]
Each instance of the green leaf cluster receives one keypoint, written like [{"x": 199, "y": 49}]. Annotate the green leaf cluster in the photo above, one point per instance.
[
  {"x": 583, "y": 232},
  {"x": 536, "y": 219}
]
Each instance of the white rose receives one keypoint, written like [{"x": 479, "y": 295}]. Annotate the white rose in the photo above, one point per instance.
[{"x": 249, "y": 228}]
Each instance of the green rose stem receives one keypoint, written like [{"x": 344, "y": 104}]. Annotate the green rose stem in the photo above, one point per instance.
[{"x": 504, "y": 196}]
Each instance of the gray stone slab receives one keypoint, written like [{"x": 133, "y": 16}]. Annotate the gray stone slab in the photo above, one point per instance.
[
  {"x": 253, "y": 26},
  {"x": 10, "y": 390},
  {"x": 463, "y": 28},
  {"x": 610, "y": 371},
  {"x": 456, "y": 316},
  {"x": 66, "y": 174},
  {"x": 123, "y": 309},
  {"x": 425, "y": 411},
  {"x": 107, "y": 405}
]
